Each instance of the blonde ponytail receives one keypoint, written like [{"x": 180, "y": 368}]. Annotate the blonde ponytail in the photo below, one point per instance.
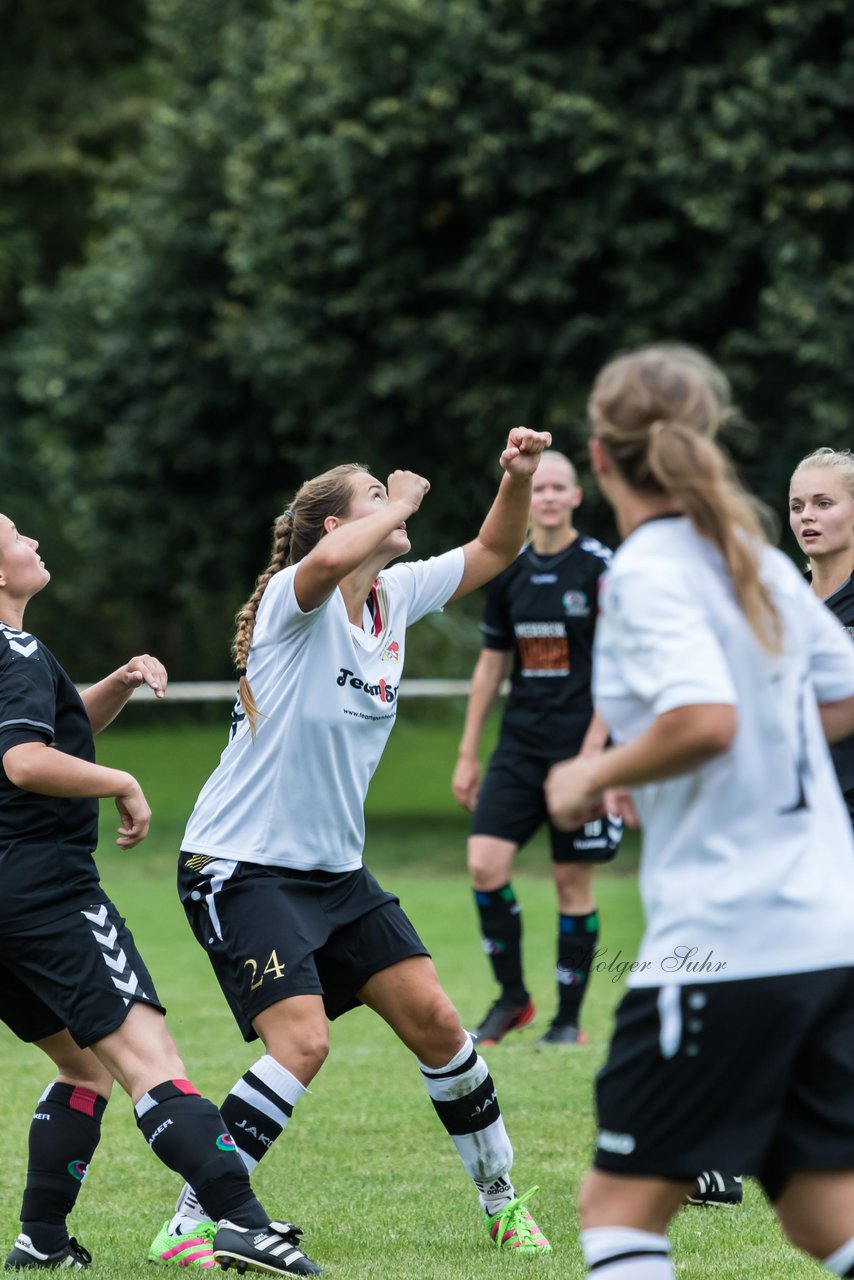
[{"x": 657, "y": 410}]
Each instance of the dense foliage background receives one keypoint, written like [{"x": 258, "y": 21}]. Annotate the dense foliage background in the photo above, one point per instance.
[{"x": 244, "y": 240}]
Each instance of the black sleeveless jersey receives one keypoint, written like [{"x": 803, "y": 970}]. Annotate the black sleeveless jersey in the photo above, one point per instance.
[{"x": 543, "y": 609}]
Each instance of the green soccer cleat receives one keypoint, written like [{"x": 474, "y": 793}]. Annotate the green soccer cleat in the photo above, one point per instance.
[
  {"x": 514, "y": 1228},
  {"x": 189, "y": 1249}
]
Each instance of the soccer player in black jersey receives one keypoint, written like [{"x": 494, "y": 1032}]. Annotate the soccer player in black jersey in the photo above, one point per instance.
[
  {"x": 538, "y": 627},
  {"x": 71, "y": 979},
  {"x": 821, "y": 513}
]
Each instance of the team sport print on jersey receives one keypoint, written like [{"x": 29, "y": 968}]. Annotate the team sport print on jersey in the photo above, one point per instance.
[{"x": 543, "y": 610}]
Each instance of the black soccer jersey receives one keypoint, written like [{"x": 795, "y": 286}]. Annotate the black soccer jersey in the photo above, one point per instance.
[
  {"x": 544, "y": 608},
  {"x": 46, "y": 842},
  {"x": 842, "y": 604}
]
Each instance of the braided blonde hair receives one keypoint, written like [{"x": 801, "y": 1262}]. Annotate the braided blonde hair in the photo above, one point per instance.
[
  {"x": 295, "y": 532},
  {"x": 657, "y": 410}
]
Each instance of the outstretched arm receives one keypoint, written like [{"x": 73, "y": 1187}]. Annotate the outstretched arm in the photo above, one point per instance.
[
  {"x": 103, "y": 701},
  {"x": 503, "y": 531}
]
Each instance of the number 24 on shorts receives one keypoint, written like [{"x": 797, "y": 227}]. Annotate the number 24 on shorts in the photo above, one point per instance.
[{"x": 273, "y": 968}]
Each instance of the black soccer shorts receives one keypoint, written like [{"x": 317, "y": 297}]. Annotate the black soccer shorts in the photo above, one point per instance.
[
  {"x": 82, "y": 972},
  {"x": 755, "y": 1076},
  {"x": 511, "y": 806},
  {"x": 273, "y": 932}
]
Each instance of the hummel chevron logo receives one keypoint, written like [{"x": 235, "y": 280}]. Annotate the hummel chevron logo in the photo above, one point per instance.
[
  {"x": 119, "y": 963},
  {"x": 24, "y": 649},
  {"x": 129, "y": 986},
  {"x": 115, "y": 958}
]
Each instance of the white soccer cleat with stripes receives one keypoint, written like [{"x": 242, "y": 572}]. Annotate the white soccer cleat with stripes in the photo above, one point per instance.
[{"x": 273, "y": 1249}]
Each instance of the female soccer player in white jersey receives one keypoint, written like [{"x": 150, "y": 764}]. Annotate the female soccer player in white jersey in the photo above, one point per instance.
[
  {"x": 538, "y": 624},
  {"x": 720, "y": 677},
  {"x": 271, "y": 872},
  {"x": 821, "y": 513},
  {"x": 71, "y": 979}
]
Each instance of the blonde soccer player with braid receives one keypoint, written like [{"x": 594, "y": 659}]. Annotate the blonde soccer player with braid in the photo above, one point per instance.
[{"x": 271, "y": 873}]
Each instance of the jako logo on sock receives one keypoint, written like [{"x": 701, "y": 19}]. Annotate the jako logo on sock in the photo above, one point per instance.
[
  {"x": 225, "y": 1142},
  {"x": 78, "y": 1169}
]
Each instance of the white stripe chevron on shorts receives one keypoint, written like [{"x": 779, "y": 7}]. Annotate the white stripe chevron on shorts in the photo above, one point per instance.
[{"x": 124, "y": 978}]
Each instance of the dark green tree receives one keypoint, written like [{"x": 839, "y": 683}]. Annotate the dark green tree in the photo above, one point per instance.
[{"x": 389, "y": 230}]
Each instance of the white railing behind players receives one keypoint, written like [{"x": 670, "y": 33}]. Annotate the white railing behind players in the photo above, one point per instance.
[{"x": 226, "y": 690}]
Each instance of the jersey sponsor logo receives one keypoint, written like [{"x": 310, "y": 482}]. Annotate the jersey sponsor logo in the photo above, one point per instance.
[
  {"x": 543, "y": 648},
  {"x": 621, "y": 1144},
  {"x": 392, "y": 653},
  {"x": 576, "y": 604},
  {"x": 543, "y": 579},
  {"x": 225, "y": 1142},
  {"x": 384, "y": 690}
]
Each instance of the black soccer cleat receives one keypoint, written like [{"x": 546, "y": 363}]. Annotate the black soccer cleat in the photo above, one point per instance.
[
  {"x": 273, "y": 1249},
  {"x": 563, "y": 1033},
  {"x": 503, "y": 1017},
  {"x": 25, "y": 1255},
  {"x": 717, "y": 1190}
]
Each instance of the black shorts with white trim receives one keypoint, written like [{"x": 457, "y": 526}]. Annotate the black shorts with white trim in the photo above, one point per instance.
[
  {"x": 273, "y": 932},
  {"x": 511, "y": 806},
  {"x": 755, "y": 1075},
  {"x": 81, "y": 972}
]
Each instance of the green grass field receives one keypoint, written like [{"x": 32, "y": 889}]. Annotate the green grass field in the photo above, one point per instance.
[{"x": 365, "y": 1166}]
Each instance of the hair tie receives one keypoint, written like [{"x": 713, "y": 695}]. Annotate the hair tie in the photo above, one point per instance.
[
  {"x": 241, "y": 671},
  {"x": 287, "y": 512}
]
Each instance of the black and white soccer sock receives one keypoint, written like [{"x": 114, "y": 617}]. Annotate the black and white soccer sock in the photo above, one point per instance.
[
  {"x": 256, "y": 1111},
  {"x": 841, "y": 1262},
  {"x": 624, "y": 1253},
  {"x": 64, "y": 1132},
  {"x": 189, "y": 1135},
  {"x": 577, "y": 937},
  {"x": 501, "y": 927},
  {"x": 466, "y": 1102}
]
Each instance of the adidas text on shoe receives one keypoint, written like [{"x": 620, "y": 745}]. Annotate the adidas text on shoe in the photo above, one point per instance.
[
  {"x": 272, "y": 1248},
  {"x": 24, "y": 1255},
  {"x": 514, "y": 1228},
  {"x": 189, "y": 1249},
  {"x": 716, "y": 1190},
  {"x": 564, "y": 1033},
  {"x": 502, "y": 1018}
]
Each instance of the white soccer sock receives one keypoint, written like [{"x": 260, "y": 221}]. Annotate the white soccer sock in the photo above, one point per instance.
[
  {"x": 624, "y": 1253},
  {"x": 841, "y": 1263},
  {"x": 465, "y": 1100},
  {"x": 256, "y": 1111}
]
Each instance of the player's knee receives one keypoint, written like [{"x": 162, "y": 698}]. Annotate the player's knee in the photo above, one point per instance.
[
  {"x": 302, "y": 1053},
  {"x": 442, "y": 1030}
]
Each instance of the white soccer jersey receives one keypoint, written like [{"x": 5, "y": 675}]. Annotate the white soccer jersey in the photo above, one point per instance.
[
  {"x": 327, "y": 695},
  {"x": 748, "y": 862}
]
